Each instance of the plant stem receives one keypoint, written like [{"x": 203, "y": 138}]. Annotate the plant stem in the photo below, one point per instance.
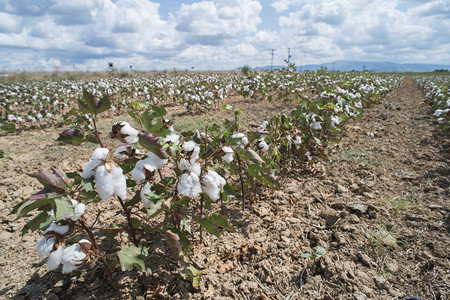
[
  {"x": 101, "y": 256},
  {"x": 130, "y": 224},
  {"x": 201, "y": 215},
  {"x": 241, "y": 180},
  {"x": 96, "y": 132}
]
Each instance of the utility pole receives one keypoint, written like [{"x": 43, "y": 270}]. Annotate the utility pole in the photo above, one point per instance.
[
  {"x": 289, "y": 56},
  {"x": 271, "y": 61}
]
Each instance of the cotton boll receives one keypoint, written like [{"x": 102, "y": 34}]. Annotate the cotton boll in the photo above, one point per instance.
[
  {"x": 189, "y": 185},
  {"x": 79, "y": 211},
  {"x": 229, "y": 154},
  {"x": 54, "y": 259},
  {"x": 262, "y": 145},
  {"x": 316, "y": 126},
  {"x": 184, "y": 164},
  {"x": 213, "y": 184},
  {"x": 120, "y": 183},
  {"x": 104, "y": 183},
  {"x": 59, "y": 229},
  {"x": 100, "y": 153},
  {"x": 189, "y": 146},
  {"x": 45, "y": 246},
  {"x": 144, "y": 190},
  {"x": 72, "y": 258}
]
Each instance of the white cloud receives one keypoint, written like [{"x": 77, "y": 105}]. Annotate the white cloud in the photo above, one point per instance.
[{"x": 219, "y": 33}]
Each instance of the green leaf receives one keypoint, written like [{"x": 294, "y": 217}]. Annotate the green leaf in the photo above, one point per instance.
[
  {"x": 63, "y": 208},
  {"x": 73, "y": 136},
  {"x": 9, "y": 127},
  {"x": 103, "y": 105},
  {"x": 132, "y": 256},
  {"x": 4, "y": 155},
  {"x": 318, "y": 251},
  {"x": 29, "y": 205},
  {"x": 158, "y": 111},
  {"x": 88, "y": 184},
  {"x": 35, "y": 223},
  {"x": 306, "y": 254},
  {"x": 194, "y": 274},
  {"x": 222, "y": 222},
  {"x": 209, "y": 225},
  {"x": 135, "y": 223},
  {"x": 271, "y": 181}
]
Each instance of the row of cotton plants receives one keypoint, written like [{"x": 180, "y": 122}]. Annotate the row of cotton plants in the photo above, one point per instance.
[
  {"x": 438, "y": 94},
  {"x": 174, "y": 184}
]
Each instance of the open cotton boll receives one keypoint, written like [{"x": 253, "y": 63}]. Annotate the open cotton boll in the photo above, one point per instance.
[
  {"x": 131, "y": 134},
  {"x": 335, "y": 121},
  {"x": 59, "y": 229},
  {"x": 72, "y": 258},
  {"x": 98, "y": 157},
  {"x": 189, "y": 185},
  {"x": 243, "y": 141},
  {"x": 54, "y": 259},
  {"x": 45, "y": 246},
  {"x": 229, "y": 154},
  {"x": 189, "y": 146},
  {"x": 78, "y": 210},
  {"x": 144, "y": 190},
  {"x": 104, "y": 183},
  {"x": 213, "y": 184},
  {"x": 120, "y": 183},
  {"x": 297, "y": 141},
  {"x": 316, "y": 126},
  {"x": 151, "y": 163},
  {"x": 262, "y": 145},
  {"x": 119, "y": 154}
]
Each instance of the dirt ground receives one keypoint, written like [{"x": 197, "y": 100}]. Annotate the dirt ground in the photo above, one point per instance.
[{"x": 379, "y": 206}]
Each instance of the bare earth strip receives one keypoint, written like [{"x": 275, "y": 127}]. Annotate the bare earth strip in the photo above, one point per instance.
[{"x": 379, "y": 207}]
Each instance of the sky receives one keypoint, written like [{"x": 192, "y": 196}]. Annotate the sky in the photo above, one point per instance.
[{"x": 84, "y": 35}]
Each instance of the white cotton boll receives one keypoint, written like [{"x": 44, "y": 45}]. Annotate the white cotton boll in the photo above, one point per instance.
[
  {"x": 213, "y": 184},
  {"x": 155, "y": 162},
  {"x": 195, "y": 153},
  {"x": 144, "y": 190},
  {"x": 72, "y": 258},
  {"x": 335, "y": 121},
  {"x": 184, "y": 164},
  {"x": 189, "y": 185},
  {"x": 104, "y": 183},
  {"x": 118, "y": 154},
  {"x": 172, "y": 138},
  {"x": 59, "y": 229},
  {"x": 438, "y": 112},
  {"x": 54, "y": 259},
  {"x": 243, "y": 141},
  {"x": 228, "y": 158},
  {"x": 100, "y": 153},
  {"x": 297, "y": 140},
  {"x": 196, "y": 168},
  {"x": 138, "y": 173},
  {"x": 229, "y": 154},
  {"x": 130, "y": 132},
  {"x": 316, "y": 126},
  {"x": 262, "y": 145},
  {"x": 120, "y": 183},
  {"x": 44, "y": 246},
  {"x": 79, "y": 211},
  {"x": 189, "y": 146},
  {"x": 89, "y": 169}
]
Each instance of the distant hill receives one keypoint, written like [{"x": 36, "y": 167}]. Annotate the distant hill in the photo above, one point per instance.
[{"x": 345, "y": 65}]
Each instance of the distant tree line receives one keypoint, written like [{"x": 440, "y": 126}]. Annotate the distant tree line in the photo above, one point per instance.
[{"x": 440, "y": 70}]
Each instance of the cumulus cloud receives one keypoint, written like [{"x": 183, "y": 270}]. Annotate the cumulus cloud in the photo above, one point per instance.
[{"x": 212, "y": 34}]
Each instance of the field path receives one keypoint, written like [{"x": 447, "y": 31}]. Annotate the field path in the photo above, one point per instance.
[{"x": 379, "y": 206}]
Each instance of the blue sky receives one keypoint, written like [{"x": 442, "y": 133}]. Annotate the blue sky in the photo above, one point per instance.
[{"x": 218, "y": 34}]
